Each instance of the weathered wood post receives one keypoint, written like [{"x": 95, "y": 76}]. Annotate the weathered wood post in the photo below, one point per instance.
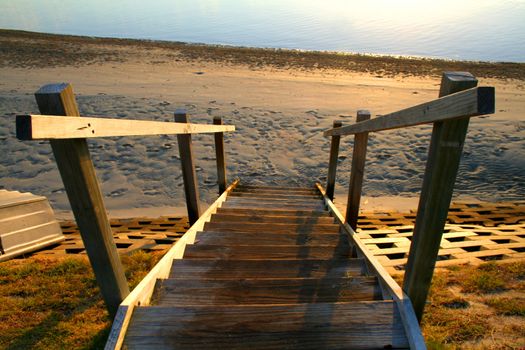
[
  {"x": 442, "y": 166},
  {"x": 332, "y": 163},
  {"x": 191, "y": 183},
  {"x": 219, "y": 154},
  {"x": 82, "y": 188},
  {"x": 357, "y": 172}
]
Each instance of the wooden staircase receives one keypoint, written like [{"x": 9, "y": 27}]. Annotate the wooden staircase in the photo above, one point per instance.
[{"x": 271, "y": 269}]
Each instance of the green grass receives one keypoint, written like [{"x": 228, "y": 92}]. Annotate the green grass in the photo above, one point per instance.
[{"x": 55, "y": 303}]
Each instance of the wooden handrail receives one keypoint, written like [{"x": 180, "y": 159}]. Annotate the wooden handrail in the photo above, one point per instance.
[
  {"x": 46, "y": 127},
  {"x": 468, "y": 103},
  {"x": 141, "y": 295},
  {"x": 446, "y": 146},
  {"x": 85, "y": 196},
  {"x": 61, "y": 124},
  {"x": 403, "y": 302},
  {"x": 459, "y": 99}
]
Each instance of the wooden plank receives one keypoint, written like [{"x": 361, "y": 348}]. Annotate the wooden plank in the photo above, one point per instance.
[
  {"x": 406, "y": 311},
  {"x": 357, "y": 173},
  {"x": 287, "y": 189},
  {"x": 222, "y": 292},
  {"x": 277, "y": 201},
  {"x": 275, "y": 195},
  {"x": 264, "y": 269},
  {"x": 141, "y": 295},
  {"x": 446, "y": 146},
  {"x": 256, "y": 238},
  {"x": 266, "y": 228},
  {"x": 469, "y": 103},
  {"x": 209, "y": 251},
  {"x": 356, "y": 325},
  {"x": 275, "y": 212},
  {"x": 298, "y": 220},
  {"x": 332, "y": 161},
  {"x": 82, "y": 188},
  {"x": 262, "y": 206},
  {"x": 191, "y": 183},
  {"x": 27, "y": 206},
  {"x": 15, "y": 198},
  {"x": 26, "y": 220},
  {"x": 220, "y": 156},
  {"x": 53, "y": 127}
]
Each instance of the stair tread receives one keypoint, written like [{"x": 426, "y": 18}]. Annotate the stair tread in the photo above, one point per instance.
[
  {"x": 181, "y": 292},
  {"x": 262, "y": 268},
  {"x": 240, "y": 199},
  {"x": 274, "y": 211},
  {"x": 276, "y": 227},
  {"x": 262, "y": 205},
  {"x": 256, "y": 218},
  {"x": 356, "y": 325},
  {"x": 274, "y": 188},
  {"x": 266, "y": 238},
  {"x": 276, "y": 194},
  {"x": 210, "y": 251}
]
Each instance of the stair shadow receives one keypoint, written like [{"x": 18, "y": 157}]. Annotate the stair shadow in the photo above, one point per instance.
[{"x": 309, "y": 296}]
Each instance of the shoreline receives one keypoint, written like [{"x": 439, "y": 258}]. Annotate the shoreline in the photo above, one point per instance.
[
  {"x": 279, "y": 109},
  {"x": 385, "y": 65}
]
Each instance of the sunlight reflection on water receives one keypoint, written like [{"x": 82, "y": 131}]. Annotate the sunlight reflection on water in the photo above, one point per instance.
[{"x": 470, "y": 29}]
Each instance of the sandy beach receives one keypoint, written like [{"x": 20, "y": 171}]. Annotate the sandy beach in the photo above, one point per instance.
[{"x": 279, "y": 101}]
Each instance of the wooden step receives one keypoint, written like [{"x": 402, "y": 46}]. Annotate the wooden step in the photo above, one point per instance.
[
  {"x": 189, "y": 292},
  {"x": 270, "y": 193},
  {"x": 270, "y": 228},
  {"x": 272, "y": 219},
  {"x": 274, "y": 212},
  {"x": 209, "y": 251},
  {"x": 275, "y": 239},
  {"x": 190, "y": 268},
  {"x": 355, "y": 325},
  {"x": 241, "y": 187},
  {"x": 264, "y": 205},
  {"x": 275, "y": 196},
  {"x": 275, "y": 201}
]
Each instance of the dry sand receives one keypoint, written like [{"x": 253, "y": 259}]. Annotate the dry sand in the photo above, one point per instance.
[{"x": 279, "y": 106}]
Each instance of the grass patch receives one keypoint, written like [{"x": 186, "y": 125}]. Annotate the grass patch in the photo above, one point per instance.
[
  {"x": 55, "y": 303},
  {"x": 492, "y": 277},
  {"x": 469, "y": 305},
  {"x": 508, "y": 306},
  {"x": 484, "y": 282},
  {"x": 446, "y": 326}
]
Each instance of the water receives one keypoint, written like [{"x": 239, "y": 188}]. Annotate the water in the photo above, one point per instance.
[{"x": 489, "y": 30}]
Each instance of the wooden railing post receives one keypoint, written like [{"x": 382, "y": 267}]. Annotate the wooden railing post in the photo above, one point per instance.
[
  {"x": 219, "y": 154},
  {"x": 82, "y": 188},
  {"x": 442, "y": 166},
  {"x": 191, "y": 183},
  {"x": 357, "y": 173},
  {"x": 332, "y": 163}
]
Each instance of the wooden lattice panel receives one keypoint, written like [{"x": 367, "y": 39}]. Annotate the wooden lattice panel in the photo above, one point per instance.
[
  {"x": 460, "y": 244},
  {"x": 129, "y": 235},
  {"x": 475, "y": 232}
]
